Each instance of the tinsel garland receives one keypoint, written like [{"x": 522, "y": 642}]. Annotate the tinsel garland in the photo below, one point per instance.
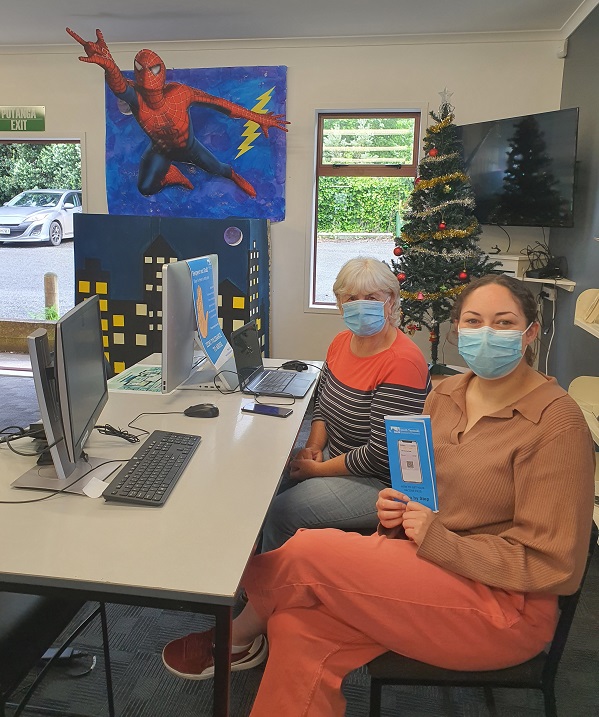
[
  {"x": 469, "y": 202},
  {"x": 442, "y": 234},
  {"x": 443, "y": 124},
  {"x": 443, "y": 179},
  {"x": 446, "y": 254},
  {"x": 413, "y": 295},
  {"x": 439, "y": 158}
]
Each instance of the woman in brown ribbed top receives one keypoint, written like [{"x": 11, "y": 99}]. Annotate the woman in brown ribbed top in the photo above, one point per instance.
[{"x": 471, "y": 587}]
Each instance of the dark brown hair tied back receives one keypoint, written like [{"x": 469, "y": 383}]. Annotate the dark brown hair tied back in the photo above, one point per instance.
[{"x": 517, "y": 289}]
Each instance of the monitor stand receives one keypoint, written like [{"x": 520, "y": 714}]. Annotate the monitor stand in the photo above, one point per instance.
[
  {"x": 203, "y": 378},
  {"x": 45, "y": 478}
]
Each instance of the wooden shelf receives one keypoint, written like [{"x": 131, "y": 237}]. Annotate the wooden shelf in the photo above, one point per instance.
[
  {"x": 591, "y": 328},
  {"x": 585, "y": 391},
  {"x": 583, "y": 303}
]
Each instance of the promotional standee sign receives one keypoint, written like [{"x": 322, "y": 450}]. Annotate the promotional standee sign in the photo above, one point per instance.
[{"x": 203, "y": 281}]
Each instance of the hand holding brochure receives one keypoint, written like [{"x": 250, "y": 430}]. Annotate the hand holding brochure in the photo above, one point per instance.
[{"x": 411, "y": 458}]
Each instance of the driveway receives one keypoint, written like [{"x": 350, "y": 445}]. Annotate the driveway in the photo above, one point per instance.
[
  {"x": 22, "y": 269},
  {"x": 331, "y": 255}
]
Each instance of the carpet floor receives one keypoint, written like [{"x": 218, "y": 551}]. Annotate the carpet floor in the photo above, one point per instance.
[{"x": 143, "y": 688}]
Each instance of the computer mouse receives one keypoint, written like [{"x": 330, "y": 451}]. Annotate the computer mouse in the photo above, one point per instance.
[
  {"x": 202, "y": 410},
  {"x": 295, "y": 365}
]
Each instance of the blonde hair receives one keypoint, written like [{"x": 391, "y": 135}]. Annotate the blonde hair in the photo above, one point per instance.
[{"x": 366, "y": 275}]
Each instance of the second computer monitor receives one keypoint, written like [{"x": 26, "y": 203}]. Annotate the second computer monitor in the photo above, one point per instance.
[
  {"x": 184, "y": 364},
  {"x": 71, "y": 391}
]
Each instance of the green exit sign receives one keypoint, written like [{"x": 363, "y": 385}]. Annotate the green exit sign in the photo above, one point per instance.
[{"x": 22, "y": 119}]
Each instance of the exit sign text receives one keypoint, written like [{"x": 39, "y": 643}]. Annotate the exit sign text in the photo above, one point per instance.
[{"x": 22, "y": 119}]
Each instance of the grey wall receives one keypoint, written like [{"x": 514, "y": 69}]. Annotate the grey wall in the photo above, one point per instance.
[{"x": 575, "y": 352}]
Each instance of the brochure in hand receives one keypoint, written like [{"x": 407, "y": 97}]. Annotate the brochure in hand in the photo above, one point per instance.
[{"x": 411, "y": 458}]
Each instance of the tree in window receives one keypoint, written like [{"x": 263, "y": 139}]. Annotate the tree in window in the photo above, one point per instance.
[
  {"x": 437, "y": 252},
  {"x": 529, "y": 194}
]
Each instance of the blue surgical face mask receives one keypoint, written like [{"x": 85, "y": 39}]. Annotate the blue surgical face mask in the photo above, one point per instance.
[
  {"x": 364, "y": 317},
  {"x": 491, "y": 353}
]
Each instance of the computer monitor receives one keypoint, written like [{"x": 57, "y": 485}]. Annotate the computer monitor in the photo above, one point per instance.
[
  {"x": 184, "y": 362},
  {"x": 71, "y": 391}
]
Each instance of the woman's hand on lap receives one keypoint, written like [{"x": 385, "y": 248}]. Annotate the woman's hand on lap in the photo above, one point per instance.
[
  {"x": 301, "y": 468},
  {"x": 313, "y": 454}
]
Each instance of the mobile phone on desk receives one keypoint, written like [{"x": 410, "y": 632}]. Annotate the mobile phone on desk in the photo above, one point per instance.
[{"x": 267, "y": 410}]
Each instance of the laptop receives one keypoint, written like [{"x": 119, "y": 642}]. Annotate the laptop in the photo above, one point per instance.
[{"x": 254, "y": 378}]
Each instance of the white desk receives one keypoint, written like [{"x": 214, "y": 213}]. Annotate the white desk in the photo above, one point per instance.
[{"x": 188, "y": 554}]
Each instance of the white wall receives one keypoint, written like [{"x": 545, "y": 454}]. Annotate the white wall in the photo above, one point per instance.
[{"x": 493, "y": 78}]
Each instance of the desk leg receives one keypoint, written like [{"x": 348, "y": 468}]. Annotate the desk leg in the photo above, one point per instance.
[{"x": 222, "y": 662}]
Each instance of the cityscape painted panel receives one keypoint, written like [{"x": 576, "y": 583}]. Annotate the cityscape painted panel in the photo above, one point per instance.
[{"x": 120, "y": 258}]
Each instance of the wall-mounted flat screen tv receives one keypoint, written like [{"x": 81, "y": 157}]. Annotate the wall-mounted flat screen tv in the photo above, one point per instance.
[{"x": 522, "y": 168}]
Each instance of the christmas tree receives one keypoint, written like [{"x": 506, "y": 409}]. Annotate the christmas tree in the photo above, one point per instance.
[
  {"x": 529, "y": 193},
  {"x": 438, "y": 253}
]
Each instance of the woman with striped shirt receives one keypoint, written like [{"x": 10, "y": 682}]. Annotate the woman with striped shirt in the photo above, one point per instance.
[{"x": 372, "y": 370}]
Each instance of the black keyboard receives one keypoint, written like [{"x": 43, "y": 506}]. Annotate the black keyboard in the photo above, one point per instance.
[{"x": 150, "y": 475}]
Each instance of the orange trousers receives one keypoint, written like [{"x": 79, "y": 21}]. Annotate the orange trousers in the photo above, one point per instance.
[{"x": 336, "y": 600}]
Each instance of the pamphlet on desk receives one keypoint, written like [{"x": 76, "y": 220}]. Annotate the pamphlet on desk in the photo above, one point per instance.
[
  {"x": 136, "y": 378},
  {"x": 411, "y": 458}
]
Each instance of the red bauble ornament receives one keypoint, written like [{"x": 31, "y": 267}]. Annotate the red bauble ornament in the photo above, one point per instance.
[
  {"x": 398, "y": 251},
  {"x": 401, "y": 276},
  {"x": 442, "y": 225},
  {"x": 417, "y": 180},
  {"x": 463, "y": 275},
  {"x": 433, "y": 152},
  {"x": 420, "y": 296}
]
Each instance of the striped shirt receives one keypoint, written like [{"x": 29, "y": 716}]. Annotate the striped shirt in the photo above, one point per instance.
[{"x": 355, "y": 393}]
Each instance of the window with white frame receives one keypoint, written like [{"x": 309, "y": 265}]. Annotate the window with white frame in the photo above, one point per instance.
[{"x": 365, "y": 169}]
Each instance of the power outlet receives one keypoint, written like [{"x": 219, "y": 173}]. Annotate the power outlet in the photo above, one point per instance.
[{"x": 549, "y": 292}]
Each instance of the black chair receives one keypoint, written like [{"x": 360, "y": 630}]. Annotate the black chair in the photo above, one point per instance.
[
  {"x": 538, "y": 673},
  {"x": 29, "y": 625}
]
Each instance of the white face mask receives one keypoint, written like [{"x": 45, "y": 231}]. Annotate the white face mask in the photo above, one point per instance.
[
  {"x": 364, "y": 317},
  {"x": 491, "y": 353}
]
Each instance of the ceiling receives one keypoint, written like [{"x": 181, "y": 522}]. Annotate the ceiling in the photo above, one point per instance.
[{"x": 31, "y": 22}]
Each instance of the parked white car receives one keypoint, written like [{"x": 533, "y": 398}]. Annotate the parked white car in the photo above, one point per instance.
[{"x": 39, "y": 215}]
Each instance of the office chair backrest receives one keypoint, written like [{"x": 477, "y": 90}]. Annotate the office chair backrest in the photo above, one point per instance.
[{"x": 567, "y": 604}]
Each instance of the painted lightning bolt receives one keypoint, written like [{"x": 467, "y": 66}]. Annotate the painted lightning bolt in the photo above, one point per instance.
[{"x": 252, "y": 129}]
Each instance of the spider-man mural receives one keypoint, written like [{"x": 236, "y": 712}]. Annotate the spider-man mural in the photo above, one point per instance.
[{"x": 162, "y": 111}]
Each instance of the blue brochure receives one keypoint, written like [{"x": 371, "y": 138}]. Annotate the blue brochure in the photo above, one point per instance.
[{"x": 411, "y": 458}]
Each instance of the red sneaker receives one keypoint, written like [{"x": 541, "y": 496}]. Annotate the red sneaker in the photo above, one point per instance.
[{"x": 191, "y": 657}]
